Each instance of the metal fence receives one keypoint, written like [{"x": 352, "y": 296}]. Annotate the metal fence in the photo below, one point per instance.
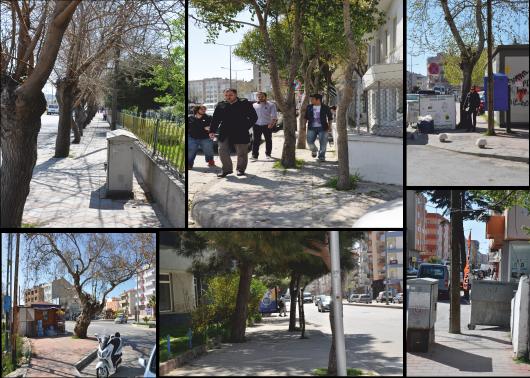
[
  {"x": 385, "y": 108},
  {"x": 163, "y": 138}
]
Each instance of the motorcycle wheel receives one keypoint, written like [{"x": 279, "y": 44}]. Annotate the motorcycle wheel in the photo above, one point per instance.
[{"x": 102, "y": 372}]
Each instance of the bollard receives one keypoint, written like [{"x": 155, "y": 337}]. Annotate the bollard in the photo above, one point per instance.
[
  {"x": 189, "y": 337},
  {"x": 168, "y": 346}
]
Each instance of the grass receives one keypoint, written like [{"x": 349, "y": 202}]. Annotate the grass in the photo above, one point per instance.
[
  {"x": 30, "y": 225},
  {"x": 7, "y": 366},
  {"x": 350, "y": 372},
  {"x": 299, "y": 163},
  {"x": 522, "y": 360},
  {"x": 354, "y": 180}
]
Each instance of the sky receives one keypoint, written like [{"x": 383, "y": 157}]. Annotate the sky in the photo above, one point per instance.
[
  {"x": 205, "y": 60},
  {"x": 478, "y": 229},
  {"x": 130, "y": 284},
  {"x": 418, "y": 63}
]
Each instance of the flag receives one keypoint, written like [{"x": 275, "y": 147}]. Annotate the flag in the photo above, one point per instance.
[{"x": 466, "y": 269}]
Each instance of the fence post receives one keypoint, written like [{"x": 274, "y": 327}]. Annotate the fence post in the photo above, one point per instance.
[{"x": 156, "y": 136}]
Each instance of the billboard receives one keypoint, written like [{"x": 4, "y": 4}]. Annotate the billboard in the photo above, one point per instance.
[
  {"x": 269, "y": 302},
  {"x": 441, "y": 108}
]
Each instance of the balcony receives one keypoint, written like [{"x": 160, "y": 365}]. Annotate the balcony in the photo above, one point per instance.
[{"x": 495, "y": 228}]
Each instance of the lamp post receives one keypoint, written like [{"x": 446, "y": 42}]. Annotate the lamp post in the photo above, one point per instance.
[
  {"x": 230, "y": 50},
  {"x": 340, "y": 348},
  {"x": 236, "y": 71}
]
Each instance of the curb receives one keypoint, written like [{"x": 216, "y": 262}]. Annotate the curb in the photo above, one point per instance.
[
  {"x": 372, "y": 305},
  {"x": 85, "y": 361},
  {"x": 166, "y": 367},
  {"x": 500, "y": 157}
]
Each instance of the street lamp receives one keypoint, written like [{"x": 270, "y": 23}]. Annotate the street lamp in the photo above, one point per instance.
[
  {"x": 236, "y": 71},
  {"x": 340, "y": 348},
  {"x": 386, "y": 272},
  {"x": 230, "y": 49}
]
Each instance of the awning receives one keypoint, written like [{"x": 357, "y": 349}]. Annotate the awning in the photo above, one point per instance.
[{"x": 388, "y": 75}]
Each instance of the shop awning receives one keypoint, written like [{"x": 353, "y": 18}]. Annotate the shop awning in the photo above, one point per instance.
[{"x": 388, "y": 75}]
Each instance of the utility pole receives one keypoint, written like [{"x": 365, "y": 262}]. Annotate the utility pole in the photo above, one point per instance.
[
  {"x": 8, "y": 288},
  {"x": 454, "y": 305},
  {"x": 340, "y": 347},
  {"x": 136, "y": 315},
  {"x": 491, "y": 113},
  {"x": 14, "y": 330},
  {"x": 386, "y": 270},
  {"x": 115, "y": 89}
]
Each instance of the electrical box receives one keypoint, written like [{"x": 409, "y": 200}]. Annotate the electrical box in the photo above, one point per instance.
[
  {"x": 120, "y": 149},
  {"x": 422, "y": 297}
]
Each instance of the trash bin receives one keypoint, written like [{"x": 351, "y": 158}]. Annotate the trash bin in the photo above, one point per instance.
[
  {"x": 422, "y": 297},
  {"x": 120, "y": 163}
]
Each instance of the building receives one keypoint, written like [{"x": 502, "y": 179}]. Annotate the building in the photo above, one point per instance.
[
  {"x": 382, "y": 253},
  {"x": 128, "y": 302},
  {"x": 415, "y": 228},
  {"x": 63, "y": 293},
  {"x": 394, "y": 256},
  {"x": 509, "y": 243},
  {"x": 435, "y": 72},
  {"x": 209, "y": 90},
  {"x": 262, "y": 79},
  {"x": 147, "y": 288},
  {"x": 474, "y": 254},
  {"x": 512, "y": 60},
  {"x": 35, "y": 294},
  {"x": 383, "y": 81},
  {"x": 437, "y": 235},
  {"x": 113, "y": 304},
  {"x": 40, "y": 319},
  {"x": 415, "y": 81}
]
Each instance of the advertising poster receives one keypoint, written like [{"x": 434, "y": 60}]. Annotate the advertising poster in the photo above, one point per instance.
[
  {"x": 441, "y": 108},
  {"x": 269, "y": 303}
]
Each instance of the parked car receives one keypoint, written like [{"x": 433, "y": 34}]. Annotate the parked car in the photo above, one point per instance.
[
  {"x": 308, "y": 298},
  {"x": 382, "y": 298},
  {"x": 324, "y": 303},
  {"x": 120, "y": 319},
  {"x": 318, "y": 299},
  {"x": 365, "y": 298},
  {"x": 398, "y": 298},
  {"x": 482, "y": 106},
  {"x": 52, "y": 109},
  {"x": 439, "y": 272},
  {"x": 354, "y": 298},
  {"x": 149, "y": 365}
]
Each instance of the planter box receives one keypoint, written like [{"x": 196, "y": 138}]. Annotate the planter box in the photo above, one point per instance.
[{"x": 169, "y": 365}]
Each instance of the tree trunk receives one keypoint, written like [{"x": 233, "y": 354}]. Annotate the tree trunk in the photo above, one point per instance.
[
  {"x": 292, "y": 311},
  {"x": 65, "y": 98},
  {"x": 302, "y": 132},
  {"x": 343, "y": 182},
  {"x": 20, "y": 125},
  {"x": 467, "y": 72},
  {"x": 80, "y": 118},
  {"x": 456, "y": 222},
  {"x": 302, "y": 314},
  {"x": 332, "y": 359},
  {"x": 289, "y": 135},
  {"x": 239, "y": 318}
]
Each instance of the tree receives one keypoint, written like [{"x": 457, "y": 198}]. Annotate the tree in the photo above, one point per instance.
[
  {"x": 24, "y": 72},
  {"x": 101, "y": 259},
  {"x": 152, "y": 303},
  {"x": 453, "y": 73}
]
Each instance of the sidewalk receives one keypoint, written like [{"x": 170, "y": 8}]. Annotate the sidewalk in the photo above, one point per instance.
[
  {"x": 70, "y": 192},
  {"x": 57, "y": 356},
  {"x": 277, "y": 198},
  {"x": 512, "y": 147},
  {"x": 271, "y": 350}
]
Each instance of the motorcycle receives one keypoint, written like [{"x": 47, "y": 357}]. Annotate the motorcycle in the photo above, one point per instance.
[{"x": 109, "y": 354}]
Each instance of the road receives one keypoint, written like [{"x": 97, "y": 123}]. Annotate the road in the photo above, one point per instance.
[
  {"x": 138, "y": 342},
  {"x": 430, "y": 166}
]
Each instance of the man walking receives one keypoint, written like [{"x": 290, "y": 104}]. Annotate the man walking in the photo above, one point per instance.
[
  {"x": 267, "y": 117},
  {"x": 318, "y": 117},
  {"x": 234, "y": 117},
  {"x": 198, "y": 135},
  {"x": 471, "y": 106}
]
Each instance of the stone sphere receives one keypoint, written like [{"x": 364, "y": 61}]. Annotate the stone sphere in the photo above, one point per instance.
[
  {"x": 443, "y": 137},
  {"x": 481, "y": 142}
]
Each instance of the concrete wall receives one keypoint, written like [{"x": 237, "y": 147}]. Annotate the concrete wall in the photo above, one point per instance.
[
  {"x": 168, "y": 192},
  {"x": 377, "y": 159},
  {"x": 519, "y": 318},
  {"x": 491, "y": 302},
  {"x": 516, "y": 218}
]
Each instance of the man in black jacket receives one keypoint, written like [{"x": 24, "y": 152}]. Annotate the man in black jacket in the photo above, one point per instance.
[
  {"x": 471, "y": 106},
  {"x": 318, "y": 117},
  {"x": 234, "y": 117}
]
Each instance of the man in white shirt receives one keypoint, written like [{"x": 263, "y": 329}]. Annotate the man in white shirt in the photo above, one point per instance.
[{"x": 267, "y": 118}]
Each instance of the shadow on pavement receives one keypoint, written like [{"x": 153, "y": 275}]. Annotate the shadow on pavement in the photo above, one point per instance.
[
  {"x": 491, "y": 338},
  {"x": 458, "y": 359}
]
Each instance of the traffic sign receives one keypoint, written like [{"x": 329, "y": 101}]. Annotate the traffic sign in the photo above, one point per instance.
[{"x": 7, "y": 303}]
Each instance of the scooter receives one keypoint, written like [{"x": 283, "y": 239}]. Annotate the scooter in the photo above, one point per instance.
[{"x": 107, "y": 345}]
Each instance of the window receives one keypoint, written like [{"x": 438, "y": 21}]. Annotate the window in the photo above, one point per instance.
[{"x": 166, "y": 300}]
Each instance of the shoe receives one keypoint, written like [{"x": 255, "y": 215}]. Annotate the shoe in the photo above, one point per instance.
[
  {"x": 211, "y": 163},
  {"x": 268, "y": 158},
  {"x": 314, "y": 154},
  {"x": 241, "y": 173},
  {"x": 321, "y": 159},
  {"x": 254, "y": 158},
  {"x": 190, "y": 167},
  {"x": 224, "y": 174}
]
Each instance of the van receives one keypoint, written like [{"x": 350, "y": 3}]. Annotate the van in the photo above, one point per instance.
[{"x": 439, "y": 272}]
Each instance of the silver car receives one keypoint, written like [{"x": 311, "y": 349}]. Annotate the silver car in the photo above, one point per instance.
[
  {"x": 324, "y": 304},
  {"x": 318, "y": 298}
]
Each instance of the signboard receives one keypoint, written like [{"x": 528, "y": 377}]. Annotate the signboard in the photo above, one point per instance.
[
  {"x": 500, "y": 92},
  {"x": 441, "y": 108},
  {"x": 7, "y": 303},
  {"x": 149, "y": 311},
  {"x": 516, "y": 68},
  {"x": 269, "y": 302},
  {"x": 433, "y": 68}
]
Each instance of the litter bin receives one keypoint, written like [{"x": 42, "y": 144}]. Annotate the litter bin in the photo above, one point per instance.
[
  {"x": 422, "y": 297},
  {"x": 120, "y": 144}
]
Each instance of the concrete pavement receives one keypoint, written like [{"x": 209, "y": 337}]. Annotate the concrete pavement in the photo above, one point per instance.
[
  {"x": 485, "y": 351},
  {"x": 374, "y": 341},
  {"x": 270, "y": 197},
  {"x": 70, "y": 192}
]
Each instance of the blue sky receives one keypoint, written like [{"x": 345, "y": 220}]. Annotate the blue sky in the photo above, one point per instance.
[
  {"x": 130, "y": 284},
  {"x": 478, "y": 229},
  {"x": 418, "y": 63},
  {"x": 205, "y": 60}
]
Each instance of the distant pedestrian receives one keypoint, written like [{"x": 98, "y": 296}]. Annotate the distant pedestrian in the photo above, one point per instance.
[
  {"x": 471, "y": 107},
  {"x": 104, "y": 114},
  {"x": 199, "y": 136},
  {"x": 267, "y": 118},
  {"x": 282, "y": 306},
  {"x": 495, "y": 273},
  {"x": 318, "y": 117},
  {"x": 489, "y": 272},
  {"x": 233, "y": 117}
]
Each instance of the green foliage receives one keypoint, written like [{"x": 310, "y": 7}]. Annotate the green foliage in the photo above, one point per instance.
[
  {"x": 354, "y": 180},
  {"x": 299, "y": 164},
  {"x": 434, "y": 260},
  {"x": 350, "y": 372},
  {"x": 7, "y": 366},
  {"x": 453, "y": 72}
]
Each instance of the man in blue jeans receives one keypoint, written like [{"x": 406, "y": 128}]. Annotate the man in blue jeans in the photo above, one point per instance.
[
  {"x": 198, "y": 136},
  {"x": 318, "y": 117}
]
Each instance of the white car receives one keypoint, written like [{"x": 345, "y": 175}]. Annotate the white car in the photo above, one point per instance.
[
  {"x": 150, "y": 365},
  {"x": 52, "y": 109}
]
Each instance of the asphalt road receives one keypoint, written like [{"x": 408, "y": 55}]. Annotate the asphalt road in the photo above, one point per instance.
[
  {"x": 138, "y": 342},
  {"x": 430, "y": 166}
]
